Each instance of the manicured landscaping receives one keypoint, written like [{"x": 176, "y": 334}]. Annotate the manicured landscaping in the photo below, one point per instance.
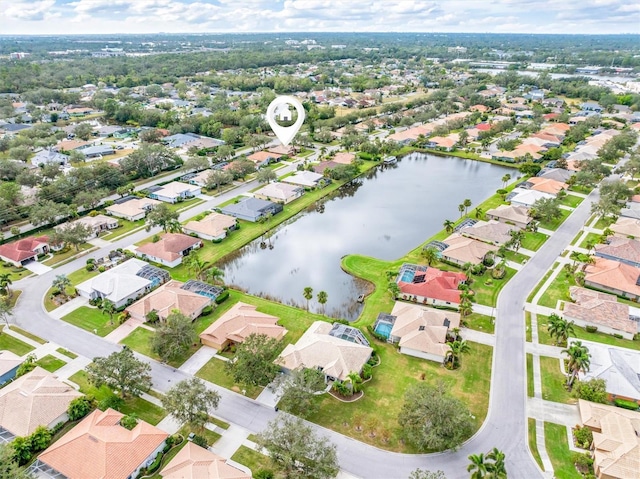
[
  {"x": 125, "y": 228},
  {"x": 554, "y": 224},
  {"x": 571, "y": 200},
  {"x": 13, "y": 344},
  {"x": 140, "y": 340},
  {"x": 142, "y": 408},
  {"x": 214, "y": 371},
  {"x": 480, "y": 322},
  {"x": 50, "y": 363},
  {"x": 557, "y": 445},
  {"x": 590, "y": 238},
  {"x": 16, "y": 273},
  {"x": 516, "y": 257},
  {"x": 530, "y": 386},
  {"x": 167, "y": 458},
  {"x": 527, "y": 319},
  {"x": 533, "y": 442},
  {"x": 553, "y": 381},
  {"x": 251, "y": 458},
  {"x": 27, "y": 334},
  {"x": 487, "y": 288},
  {"x": 67, "y": 254},
  {"x": 533, "y": 241},
  {"x": 91, "y": 319},
  {"x": 211, "y": 436},
  {"x": 558, "y": 290},
  {"x": 603, "y": 223},
  {"x": 67, "y": 353},
  {"x": 77, "y": 277}
]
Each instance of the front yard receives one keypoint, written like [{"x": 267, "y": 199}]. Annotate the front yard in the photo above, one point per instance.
[
  {"x": 125, "y": 228},
  {"x": 63, "y": 256},
  {"x": 50, "y": 363},
  {"x": 14, "y": 345},
  {"x": 533, "y": 241},
  {"x": 571, "y": 200},
  {"x": 557, "y": 445},
  {"x": 214, "y": 371},
  {"x": 558, "y": 290},
  {"x": 91, "y": 319},
  {"x": 553, "y": 381}
]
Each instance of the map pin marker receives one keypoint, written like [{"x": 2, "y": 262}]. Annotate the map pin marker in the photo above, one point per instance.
[{"x": 278, "y": 109}]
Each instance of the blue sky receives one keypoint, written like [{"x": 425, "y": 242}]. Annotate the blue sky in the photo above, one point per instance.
[{"x": 151, "y": 16}]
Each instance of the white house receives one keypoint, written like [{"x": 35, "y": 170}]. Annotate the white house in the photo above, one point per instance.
[
  {"x": 522, "y": 197},
  {"x": 97, "y": 224},
  {"x": 174, "y": 191},
  {"x": 305, "y": 178},
  {"x": 133, "y": 209}
]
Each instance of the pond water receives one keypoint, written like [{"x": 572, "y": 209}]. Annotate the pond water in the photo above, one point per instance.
[{"x": 383, "y": 214}]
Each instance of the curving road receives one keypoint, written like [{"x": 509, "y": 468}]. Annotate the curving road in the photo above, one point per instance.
[{"x": 504, "y": 428}]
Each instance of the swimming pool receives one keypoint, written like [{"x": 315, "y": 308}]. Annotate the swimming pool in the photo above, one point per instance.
[
  {"x": 383, "y": 328},
  {"x": 407, "y": 276}
]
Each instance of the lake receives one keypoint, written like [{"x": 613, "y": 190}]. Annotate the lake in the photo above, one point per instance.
[{"x": 384, "y": 214}]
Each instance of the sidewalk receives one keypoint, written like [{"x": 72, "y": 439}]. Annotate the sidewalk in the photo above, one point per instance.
[
  {"x": 198, "y": 360},
  {"x": 478, "y": 336},
  {"x": 230, "y": 441},
  {"x": 555, "y": 412}
]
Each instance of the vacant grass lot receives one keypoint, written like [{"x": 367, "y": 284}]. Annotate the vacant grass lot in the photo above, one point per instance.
[
  {"x": 142, "y": 408},
  {"x": 14, "y": 345},
  {"x": 553, "y": 381},
  {"x": 558, "y": 290},
  {"x": 50, "y": 363},
  {"x": 557, "y": 445},
  {"x": 91, "y": 319}
]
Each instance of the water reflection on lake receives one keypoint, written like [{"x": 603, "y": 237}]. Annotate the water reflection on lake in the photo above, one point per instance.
[{"x": 383, "y": 214}]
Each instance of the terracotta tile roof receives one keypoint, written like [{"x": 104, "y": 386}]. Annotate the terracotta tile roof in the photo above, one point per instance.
[
  {"x": 344, "y": 158},
  {"x": 623, "y": 227},
  {"x": 239, "y": 322},
  {"x": 466, "y": 250},
  {"x": 336, "y": 357},
  {"x": 320, "y": 167},
  {"x": 261, "y": 156},
  {"x": 513, "y": 213},
  {"x": 547, "y": 185},
  {"x": 133, "y": 207},
  {"x": 214, "y": 224},
  {"x": 22, "y": 249},
  {"x": 616, "y": 439},
  {"x": 613, "y": 275},
  {"x": 195, "y": 462},
  {"x": 170, "y": 246},
  {"x": 489, "y": 231},
  {"x": 620, "y": 248},
  {"x": 35, "y": 399},
  {"x": 442, "y": 285},
  {"x": 278, "y": 191},
  {"x": 114, "y": 452},
  {"x": 282, "y": 150},
  {"x": 423, "y": 329},
  {"x": 601, "y": 309},
  {"x": 168, "y": 297}
]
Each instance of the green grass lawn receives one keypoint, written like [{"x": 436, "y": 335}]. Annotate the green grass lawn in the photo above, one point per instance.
[
  {"x": 145, "y": 410},
  {"x": 558, "y": 290},
  {"x": 16, "y": 273},
  {"x": 140, "y": 340},
  {"x": 91, "y": 319},
  {"x": 557, "y": 445},
  {"x": 530, "y": 386},
  {"x": 14, "y": 345},
  {"x": 527, "y": 319},
  {"x": 533, "y": 442},
  {"x": 184, "y": 205},
  {"x": 126, "y": 227},
  {"x": 252, "y": 459},
  {"x": 67, "y": 353},
  {"x": 487, "y": 288},
  {"x": 384, "y": 394},
  {"x": 480, "y": 322},
  {"x": 27, "y": 334},
  {"x": 571, "y": 200},
  {"x": 50, "y": 363},
  {"x": 211, "y": 436},
  {"x": 553, "y": 381},
  {"x": 533, "y": 241},
  {"x": 516, "y": 257},
  {"x": 542, "y": 281},
  {"x": 62, "y": 257},
  {"x": 167, "y": 459},
  {"x": 214, "y": 371},
  {"x": 591, "y": 237},
  {"x": 554, "y": 224},
  {"x": 603, "y": 223}
]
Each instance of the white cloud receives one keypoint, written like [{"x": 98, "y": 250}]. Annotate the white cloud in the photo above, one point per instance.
[{"x": 32, "y": 11}]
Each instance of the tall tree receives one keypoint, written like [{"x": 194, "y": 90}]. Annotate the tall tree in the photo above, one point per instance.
[
  {"x": 431, "y": 255},
  {"x": 308, "y": 295},
  {"x": 73, "y": 234},
  {"x": 121, "y": 371},
  {"x": 61, "y": 282},
  {"x": 297, "y": 391},
  {"x": 461, "y": 209},
  {"x": 266, "y": 175},
  {"x": 109, "y": 307},
  {"x": 191, "y": 401},
  {"x": 9, "y": 466},
  {"x": 579, "y": 360},
  {"x": 560, "y": 329},
  {"x": 161, "y": 215},
  {"x": 467, "y": 205},
  {"x": 174, "y": 336},
  {"x": 253, "y": 363},
  {"x": 433, "y": 419},
  {"x": 46, "y": 212},
  {"x": 5, "y": 283},
  {"x": 478, "y": 466},
  {"x": 322, "y": 298},
  {"x": 505, "y": 179},
  {"x": 456, "y": 350},
  {"x": 497, "y": 468},
  {"x": 448, "y": 226},
  {"x": 296, "y": 451},
  {"x": 6, "y": 310}
]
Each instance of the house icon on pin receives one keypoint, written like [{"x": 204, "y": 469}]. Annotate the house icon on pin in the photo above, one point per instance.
[{"x": 282, "y": 112}]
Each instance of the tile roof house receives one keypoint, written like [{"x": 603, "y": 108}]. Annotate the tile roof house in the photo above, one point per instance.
[
  {"x": 592, "y": 308},
  {"x": 422, "y": 332},
  {"x": 168, "y": 297},
  {"x": 613, "y": 277},
  {"x": 9, "y": 364},
  {"x": 237, "y": 324},
  {"x": 619, "y": 367},
  {"x": 461, "y": 250},
  {"x": 118, "y": 284},
  {"x": 175, "y": 191},
  {"x": 100, "y": 448},
  {"x": 625, "y": 227},
  {"x": 22, "y": 251},
  {"x": 279, "y": 192},
  {"x": 133, "y": 209},
  {"x": 212, "y": 227},
  {"x": 170, "y": 249},
  {"x": 304, "y": 178},
  {"x": 35, "y": 399},
  {"x": 344, "y": 158},
  {"x": 49, "y": 157},
  {"x": 491, "y": 231},
  {"x": 96, "y": 224},
  {"x": 547, "y": 185},
  {"x": 632, "y": 210},
  {"x": 517, "y": 216},
  {"x": 557, "y": 174},
  {"x": 432, "y": 286},
  {"x": 334, "y": 356},
  {"x": 526, "y": 198},
  {"x": 616, "y": 439},
  {"x": 195, "y": 462},
  {"x": 263, "y": 158},
  {"x": 624, "y": 250},
  {"x": 251, "y": 209}
]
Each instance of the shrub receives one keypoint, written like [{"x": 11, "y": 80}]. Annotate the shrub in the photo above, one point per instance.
[
  {"x": 617, "y": 335},
  {"x": 93, "y": 213},
  {"x": 583, "y": 462},
  {"x": 378, "y": 336},
  {"x": 155, "y": 238},
  {"x": 626, "y": 404},
  {"x": 155, "y": 465},
  {"x": 152, "y": 316},
  {"x": 102, "y": 269},
  {"x": 129, "y": 422},
  {"x": 91, "y": 260},
  {"x": 222, "y": 298},
  {"x": 80, "y": 407},
  {"x": 583, "y": 436},
  {"x": 591, "y": 329},
  {"x": 366, "y": 371},
  {"x": 264, "y": 474},
  {"x": 113, "y": 402},
  {"x": 40, "y": 439},
  {"x": 207, "y": 310},
  {"x": 200, "y": 441},
  {"x": 498, "y": 273},
  {"x": 478, "y": 269}
]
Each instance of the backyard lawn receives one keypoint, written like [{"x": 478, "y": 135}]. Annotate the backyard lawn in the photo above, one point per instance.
[
  {"x": 142, "y": 408},
  {"x": 533, "y": 442},
  {"x": 91, "y": 319},
  {"x": 557, "y": 445},
  {"x": 14, "y": 345},
  {"x": 553, "y": 381},
  {"x": 50, "y": 363}
]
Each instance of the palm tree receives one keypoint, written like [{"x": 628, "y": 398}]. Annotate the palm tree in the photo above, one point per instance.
[
  {"x": 478, "y": 212},
  {"x": 308, "y": 295},
  {"x": 448, "y": 226},
  {"x": 394, "y": 289},
  {"x": 456, "y": 350},
  {"x": 430, "y": 254},
  {"x": 579, "y": 360},
  {"x": 497, "y": 469},
  {"x": 461, "y": 209},
  {"x": 467, "y": 205},
  {"x": 477, "y": 468},
  {"x": 61, "y": 282},
  {"x": 505, "y": 179},
  {"x": 560, "y": 328},
  {"x": 465, "y": 308},
  {"x": 322, "y": 298},
  {"x": 355, "y": 380},
  {"x": 6, "y": 310},
  {"x": 213, "y": 275},
  {"x": 5, "y": 282},
  {"x": 517, "y": 236},
  {"x": 109, "y": 307}
]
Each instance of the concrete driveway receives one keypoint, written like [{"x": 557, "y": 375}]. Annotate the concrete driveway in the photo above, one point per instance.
[{"x": 37, "y": 268}]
